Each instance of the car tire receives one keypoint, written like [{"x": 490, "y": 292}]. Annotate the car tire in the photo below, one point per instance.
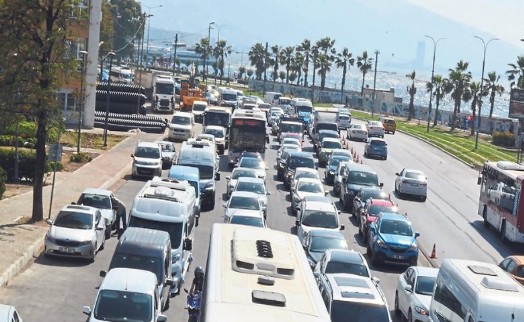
[
  {"x": 397, "y": 306},
  {"x": 107, "y": 233},
  {"x": 374, "y": 259},
  {"x": 386, "y": 157},
  {"x": 393, "y": 132}
]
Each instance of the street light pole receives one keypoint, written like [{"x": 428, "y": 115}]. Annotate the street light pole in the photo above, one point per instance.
[
  {"x": 206, "y": 49},
  {"x": 111, "y": 55},
  {"x": 83, "y": 53},
  {"x": 149, "y": 15},
  {"x": 435, "y": 43},
  {"x": 481, "y": 85},
  {"x": 174, "y": 53},
  {"x": 374, "y": 83}
]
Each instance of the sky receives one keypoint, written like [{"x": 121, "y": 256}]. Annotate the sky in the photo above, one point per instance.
[{"x": 396, "y": 28}]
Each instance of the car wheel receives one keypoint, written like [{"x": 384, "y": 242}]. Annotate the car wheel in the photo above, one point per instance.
[
  {"x": 397, "y": 307},
  {"x": 393, "y": 132},
  {"x": 386, "y": 157},
  {"x": 103, "y": 245}
]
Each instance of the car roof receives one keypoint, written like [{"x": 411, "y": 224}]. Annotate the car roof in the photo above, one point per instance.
[
  {"x": 345, "y": 255},
  {"x": 247, "y": 154},
  {"x": 320, "y": 206},
  {"x": 349, "y": 287},
  {"x": 317, "y": 198},
  {"x": 148, "y": 144},
  {"x": 304, "y": 169},
  {"x": 250, "y": 179},
  {"x": 186, "y": 114},
  {"x": 327, "y": 131},
  {"x": 247, "y": 194},
  {"x": 215, "y": 127},
  {"x": 381, "y": 202},
  {"x": 165, "y": 142},
  {"x": 79, "y": 208},
  {"x": 413, "y": 170},
  {"x": 326, "y": 233},
  {"x": 426, "y": 271},
  {"x": 376, "y": 139},
  {"x": 311, "y": 180},
  {"x": 246, "y": 213},
  {"x": 360, "y": 167},
  {"x": 131, "y": 280},
  {"x": 393, "y": 216},
  {"x": 301, "y": 154},
  {"x": 98, "y": 191},
  {"x": 331, "y": 140},
  {"x": 244, "y": 169},
  {"x": 326, "y": 122}
]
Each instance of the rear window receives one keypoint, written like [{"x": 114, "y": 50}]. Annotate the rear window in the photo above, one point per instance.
[
  {"x": 378, "y": 143},
  {"x": 389, "y": 121}
]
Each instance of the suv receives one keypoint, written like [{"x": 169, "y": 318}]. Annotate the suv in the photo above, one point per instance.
[
  {"x": 147, "y": 160},
  {"x": 355, "y": 177},
  {"x": 359, "y": 297},
  {"x": 392, "y": 239},
  {"x": 390, "y": 125}
]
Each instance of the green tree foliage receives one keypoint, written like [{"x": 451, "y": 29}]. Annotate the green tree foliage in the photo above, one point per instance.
[
  {"x": 411, "y": 91},
  {"x": 344, "y": 60},
  {"x": 493, "y": 87},
  {"x": 364, "y": 64},
  {"x": 459, "y": 79},
  {"x": 257, "y": 55},
  {"x": 128, "y": 25},
  {"x": 516, "y": 73}
]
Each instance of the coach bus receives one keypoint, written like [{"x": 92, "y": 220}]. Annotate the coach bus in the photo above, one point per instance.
[
  {"x": 500, "y": 199},
  {"x": 258, "y": 274},
  {"x": 247, "y": 133}
]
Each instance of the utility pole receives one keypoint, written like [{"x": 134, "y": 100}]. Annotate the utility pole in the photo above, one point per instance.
[
  {"x": 174, "y": 54},
  {"x": 435, "y": 43},
  {"x": 83, "y": 53},
  {"x": 111, "y": 55},
  {"x": 265, "y": 69},
  {"x": 374, "y": 84}
]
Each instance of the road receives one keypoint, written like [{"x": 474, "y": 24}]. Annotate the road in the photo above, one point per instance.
[{"x": 56, "y": 289}]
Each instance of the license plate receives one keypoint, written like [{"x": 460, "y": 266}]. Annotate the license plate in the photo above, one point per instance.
[
  {"x": 414, "y": 184},
  {"x": 66, "y": 250},
  {"x": 398, "y": 257}
]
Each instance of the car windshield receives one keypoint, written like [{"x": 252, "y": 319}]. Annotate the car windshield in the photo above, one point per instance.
[
  {"x": 331, "y": 145},
  {"x": 415, "y": 175},
  {"x": 425, "y": 285},
  {"x": 357, "y": 310},
  {"x": 374, "y": 123},
  {"x": 335, "y": 267},
  {"x": 167, "y": 147},
  {"x": 319, "y": 244},
  {"x": 229, "y": 97},
  {"x": 343, "y": 117},
  {"x": 323, "y": 135},
  {"x": 205, "y": 171},
  {"x": 290, "y": 141},
  {"x": 396, "y": 227},
  {"x": 181, "y": 120},
  {"x": 215, "y": 132},
  {"x": 147, "y": 152},
  {"x": 378, "y": 143},
  {"x": 358, "y": 127},
  {"x": 301, "y": 162},
  {"x": 243, "y": 173},
  {"x": 175, "y": 230},
  {"x": 255, "y": 187},
  {"x": 249, "y": 203},
  {"x": 151, "y": 264},
  {"x": 251, "y": 163},
  {"x": 74, "y": 220},
  {"x": 290, "y": 127},
  {"x": 363, "y": 178},
  {"x": 247, "y": 221},
  {"x": 113, "y": 305},
  {"x": 375, "y": 194},
  {"x": 320, "y": 219},
  {"x": 199, "y": 107},
  {"x": 97, "y": 201},
  {"x": 309, "y": 187},
  {"x": 375, "y": 209}
]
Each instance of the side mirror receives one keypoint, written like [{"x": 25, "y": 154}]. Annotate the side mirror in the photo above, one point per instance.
[
  {"x": 417, "y": 235},
  {"x": 49, "y": 221},
  {"x": 268, "y": 193},
  {"x": 381, "y": 185},
  {"x": 217, "y": 176},
  {"x": 102, "y": 273},
  {"x": 188, "y": 244},
  {"x": 228, "y": 178},
  {"x": 342, "y": 227},
  {"x": 86, "y": 310},
  {"x": 224, "y": 204},
  {"x": 397, "y": 174},
  {"x": 132, "y": 155},
  {"x": 73, "y": 203},
  {"x": 408, "y": 288}
]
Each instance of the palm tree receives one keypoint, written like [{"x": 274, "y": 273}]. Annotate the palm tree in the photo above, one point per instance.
[
  {"x": 274, "y": 61},
  {"x": 286, "y": 56},
  {"x": 305, "y": 49},
  {"x": 344, "y": 60},
  {"x": 298, "y": 62},
  {"x": 493, "y": 87},
  {"x": 203, "y": 49},
  {"x": 364, "y": 64},
  {"x": 257, "y": 55},
  {"x": 325, "y": 45},
  {"x": 516, "y": 73},
  {"x": 473, "y": 92},
  {"x": 220, "y": 51},
  {"x": 459, "y": 79},
  {"x": 441, "y": 87},
  {"x": 314, "y": 60},
  {"x": 324, "y": 64},
  {"x": 412, "y": 91}
]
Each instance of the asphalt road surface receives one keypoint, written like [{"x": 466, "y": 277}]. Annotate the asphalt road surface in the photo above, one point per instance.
[{"x": 56, "y": 289}]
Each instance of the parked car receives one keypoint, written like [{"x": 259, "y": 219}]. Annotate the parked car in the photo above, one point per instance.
[
  {"x": 77, "y": 231},
  {"x": 413, "y": 294},
  {"x": 392, "y": 239},
  {"x": 235, "y": 175},
  {"x": 337, "y": 261},
  {"x": 376, "y": 148},
  {"x": 390, "y": 125},
  {"x": 105, "y": 201},
  {"x": 369, "y": 214},
  {"x": 168, "y": 153},
  {"x": 305, "y": 187},
  {"x": 318, "y": 241},
  {"x": 514, "y": 265},
  {"x": 411, "y": 182},
  {"x": 357, "y": 132},
  {"x": 242, "y": 201},
  {"x": 375, "y": 128}
]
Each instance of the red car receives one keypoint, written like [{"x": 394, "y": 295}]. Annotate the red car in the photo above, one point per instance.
[{"x": 368, "y": 215}]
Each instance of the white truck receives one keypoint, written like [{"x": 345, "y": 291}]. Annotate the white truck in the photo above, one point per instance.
[{"x": 163, "y": 94}]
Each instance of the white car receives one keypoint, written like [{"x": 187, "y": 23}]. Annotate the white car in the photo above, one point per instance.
[
  {"x": 235, "y": 175},
  {"x": 101, "y": 199},
  {"x": 254, "y": 163},
  {"x": 357, "y": 132},
  {"x": 247, "y": 218},
  {"x": 302, "y": 172},
  {"x": 77, "y": 231},
  {"x": 8, "y": 313},
  {"x": 375, "y": 128},
  {"x": 414, "y": 292},
  {"x": 294, "y": 141},
  {"x": 257, "y": 186},
  {"x": 411, "y": 182},
  {"x": 344, "y": 120},
  {"x": 147, "y": 160},
  {"x": 220, "y": 136},
  {"x": 181, "y": 126},
  {"x": 242, "y": 201},
  {"x": 305, "y": 187},
  {"x": 317, "y": 213},
  {"x": 168, "y": 153}
]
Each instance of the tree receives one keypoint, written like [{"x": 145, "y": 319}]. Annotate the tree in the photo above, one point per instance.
[
  {"x": 257, "y": 56},
  {"x": 459, "y": 79},
  {"x": 107, "y": 29},
  {"x": 296, "y": 67},
  {"x": 305, "y": 49},
  {"x": 493, "y": 87},
  {"x": 364, "y": 64},
  {"x": 44, "y": 61},
  {"x": 411, "y": 91},
  {"x": 128, "y": 22},
  {"x": 441, "y": 87},
  {"x": 282, "y": 75},
  {"x": 344, "y": 60},
  {"x": 274, "y": 61},
  {"x": 286, "y": 57},
  {"x": 516, "y": 74},
  {"x": 325, "y": 46},
  {"x": 203, "y": 49},
  {"x": 241, "y": 71},
  {"x": 221, "y": 51},
  {"x": 472, "y": 93},
  {"x": 314, "y": 60},
  {"x": 249, "y": 73}
]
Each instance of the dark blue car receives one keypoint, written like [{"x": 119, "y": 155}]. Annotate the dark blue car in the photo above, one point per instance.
[{"x": 377, "y": 148}]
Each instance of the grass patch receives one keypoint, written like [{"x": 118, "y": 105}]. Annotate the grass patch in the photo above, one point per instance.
[{"x": 90, "y": 140}]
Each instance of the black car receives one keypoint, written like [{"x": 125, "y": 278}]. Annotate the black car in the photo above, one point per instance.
[
  {"x": 294, "y": 160},
  {"x": 331, "y": 168},
  {"x": 355, "y": 177}
]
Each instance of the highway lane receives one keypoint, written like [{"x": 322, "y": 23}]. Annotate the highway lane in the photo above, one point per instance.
[{"x": 57, "y": 288}]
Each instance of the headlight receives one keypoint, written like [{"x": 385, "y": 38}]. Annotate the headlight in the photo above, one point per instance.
[
  {"x": 421, "y": 310},
  {"x": 413, "y": 246},
  {"x": 381, "y": 244}
]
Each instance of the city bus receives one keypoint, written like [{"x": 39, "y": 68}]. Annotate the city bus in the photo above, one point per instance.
[
  {"x": 258, "y": 274},
  {"x": 247, "y": 133},
  {"x": 500, "y": 195}
]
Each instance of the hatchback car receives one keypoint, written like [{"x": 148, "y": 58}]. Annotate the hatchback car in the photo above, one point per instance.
[
  {"x": 318, "y": 241},
  {"x": 337, "y": 261},
  {"x": 375, "y": 128},
  {"x": 77, "y": 231},
  {"x": 291, "y": 140},
  {"x": 514, "y": 265},
  {"x": 235, "y": 175},
  {"x": 317, "y": 212},
  {"x": 414, "y": 292},
  {"x": 255, "y": 185},
  {"x": 357, "y": 132},
  {"x": 392, "y": 239},
  {"x": 305, "y": 187},
  {"x": 242, "y": 201},
  {"x": 376, "y": 148},
  {"x": 411, "y": 182}
]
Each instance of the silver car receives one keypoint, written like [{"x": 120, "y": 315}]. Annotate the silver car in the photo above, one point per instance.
[
  {"x": 414, "y": 291},
  {"x": 257, "y": 186},
  {"x": 77, "y": 231},
  {"x": 235, "y": 175}
]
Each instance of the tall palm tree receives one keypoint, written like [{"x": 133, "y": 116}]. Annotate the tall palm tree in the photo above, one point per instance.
[
  {"x": 473, "y": 93},
  {"x": 296, "y": 65},
  {"x": 324, "y": 64},
  {"x": 344, "y": 60},
  {"x": 459, "y": 79},
  {"x": 493, "y": 87},
  {"x": 439, "y": 88},
  {"x": 364, "y": 64},
  {"x": 275, "y": 50},
  {"x": 257, "y": 57},
  {"x": 516, "y": 74},
  {"x": 314, "y": 60},
  {"x": 203, "y": 49},
  {"x": 286, "y": 55},
  {"x": 221, "y": 51},
  {"x": 325, "y": 46},
  {"x": 305, "y": 49},
  {"x": 411, "y": 91}
]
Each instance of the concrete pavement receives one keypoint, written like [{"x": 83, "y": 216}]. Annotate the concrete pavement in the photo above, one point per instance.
[{"x": 21, "y": 243}]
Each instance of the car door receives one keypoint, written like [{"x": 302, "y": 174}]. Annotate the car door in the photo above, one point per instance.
[{"x": 403, "y": 295}]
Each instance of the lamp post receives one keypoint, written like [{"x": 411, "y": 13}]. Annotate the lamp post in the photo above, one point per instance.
[
  {"x": 377, "y": 52},
  {"x": 175, "y": 45},
  {"x": 149, "y": 15},
  {"x": 111, "y": 55},
  {"x": 206, "y": 49},
  {"x": 435, "y": 43},
  {"x": 482, "y": 84},
  {"x": 83, "y": 54}
]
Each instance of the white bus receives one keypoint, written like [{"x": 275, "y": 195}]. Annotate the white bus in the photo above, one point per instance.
[{"x": 258, "y": 274}]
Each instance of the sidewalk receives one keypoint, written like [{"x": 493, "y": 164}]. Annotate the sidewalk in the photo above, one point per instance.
[{"x": 20, "y": 243}]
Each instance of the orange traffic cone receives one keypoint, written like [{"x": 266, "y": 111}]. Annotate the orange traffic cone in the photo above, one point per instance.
[{"x": 433, "y": 252}]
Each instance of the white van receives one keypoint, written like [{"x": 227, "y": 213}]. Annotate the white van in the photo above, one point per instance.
[
  {"x": 181, "y": 126},
  {"x": 472, "y": 291},
  {"x": 228, "y": 97},
  {"x": 272, "y": 97}
]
